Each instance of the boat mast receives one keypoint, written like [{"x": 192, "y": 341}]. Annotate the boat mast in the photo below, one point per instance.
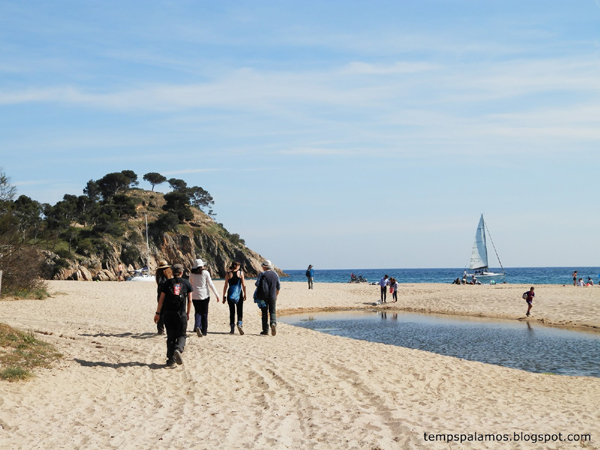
[{"x": 147, "y": 245}]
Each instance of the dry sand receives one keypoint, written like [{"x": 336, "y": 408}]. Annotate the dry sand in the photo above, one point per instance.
[{"x": 299, "y": 389}]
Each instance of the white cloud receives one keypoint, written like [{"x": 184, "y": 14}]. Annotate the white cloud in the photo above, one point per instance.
[{"x": 361, "y": 68}]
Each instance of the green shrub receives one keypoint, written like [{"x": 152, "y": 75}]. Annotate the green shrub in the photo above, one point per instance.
[
  {"x": 85, "y": 247},
  {"x": 63, "y": 253},
  {"x": 166, "y": 222},
  {"x": 59, "y": 264},
  {"x": 130, "y": 255}
]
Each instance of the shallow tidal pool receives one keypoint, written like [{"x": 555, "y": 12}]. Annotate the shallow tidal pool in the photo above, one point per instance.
[{"x": 520, "y": 345}]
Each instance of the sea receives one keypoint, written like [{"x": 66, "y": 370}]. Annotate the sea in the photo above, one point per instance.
[{"x": 514, "y": 275}]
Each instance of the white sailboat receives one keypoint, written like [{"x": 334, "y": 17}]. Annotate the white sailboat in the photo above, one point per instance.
[{"x": 479, "y": 258}]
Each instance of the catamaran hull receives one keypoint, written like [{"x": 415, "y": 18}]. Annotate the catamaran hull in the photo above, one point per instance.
[{"x": 486, "y": 276}]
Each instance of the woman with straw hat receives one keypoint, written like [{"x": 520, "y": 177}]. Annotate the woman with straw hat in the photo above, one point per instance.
[{"x": 163, "y": 273}]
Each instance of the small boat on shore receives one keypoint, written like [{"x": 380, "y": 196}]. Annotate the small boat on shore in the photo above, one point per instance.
[
  {"x": 479, "y": 258},
  {"x": 141, "y": 275}
]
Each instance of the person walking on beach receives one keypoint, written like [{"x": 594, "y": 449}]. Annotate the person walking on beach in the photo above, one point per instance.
[
  {"x": 310, "y": 274},
  {"x": 267, "y": 290},
  {"x": 163, "y": 273},
  {"x": 234, "y": 290},
  {"x": 201, "y": 281},
  {"x": 174, "y": 304},
  {"x": 394, "y": 289},
  {"x": 120, "y": 272},
  {"x": 574, "y": 278},
  {"x": 383, "y": 284},
  {"x": 529, "y": 299}
]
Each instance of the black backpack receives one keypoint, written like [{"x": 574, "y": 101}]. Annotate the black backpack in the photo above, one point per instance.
[
  {"x": 308, "y": 273},
  {"x": 262, "y": 288},
  {"x": 176, "y": 297}
]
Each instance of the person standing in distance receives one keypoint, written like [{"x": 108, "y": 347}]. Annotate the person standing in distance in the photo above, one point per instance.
[
  {"x": 310, "y": 274},
  {"x": 174, "y": 304},
  {"x": 267, "y": 290},
  {"x": 383, "y": 284}
]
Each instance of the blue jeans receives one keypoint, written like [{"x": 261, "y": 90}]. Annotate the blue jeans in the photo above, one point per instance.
[
  {"x": 268, "y": 310},
  {"x": 201, "y": 314}
]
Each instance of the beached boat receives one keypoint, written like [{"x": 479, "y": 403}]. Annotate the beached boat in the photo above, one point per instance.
[
  {"x": 143, "y": 274},
  {"x": 479, "y": 258}
]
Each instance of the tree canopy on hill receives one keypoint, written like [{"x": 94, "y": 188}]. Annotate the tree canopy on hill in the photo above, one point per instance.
[{"x": 105, "y": 205}]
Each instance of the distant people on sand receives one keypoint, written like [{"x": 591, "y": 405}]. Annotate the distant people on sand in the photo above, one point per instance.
[
  {"x": 574, "y": 278},
  {"x": 529, "y": 299},
  {"x": 234, "y": 290},
  {"x": 267, "y": 291},
  {"x": 590, "y": 282},
  {"x": 357, "y": 279},
  {"x": 383, "y": 285},
  {"x": 120, "y": 270},
  {"x": 163, "y": 273},
  {"x": 201, "y": 281},
  {"x": 310, "y": 274},
  {"x": 580, "y": 282},
  {"x": 174, "y": 305},
  {"x": 394, "y": 289}
]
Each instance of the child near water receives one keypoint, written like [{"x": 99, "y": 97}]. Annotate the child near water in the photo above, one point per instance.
[{"x": 529, "y": 300}]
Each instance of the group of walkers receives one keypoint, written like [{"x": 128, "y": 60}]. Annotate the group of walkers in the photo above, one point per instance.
[
  {"x": 175, "y": 296},
  {"x": 390, "y": 283}
]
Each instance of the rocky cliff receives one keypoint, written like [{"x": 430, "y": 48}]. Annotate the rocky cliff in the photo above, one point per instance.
[{"x": 201, "y": 237}]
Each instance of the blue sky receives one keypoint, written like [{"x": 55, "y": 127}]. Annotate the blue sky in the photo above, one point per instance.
[{"x": 341, "y": 134}]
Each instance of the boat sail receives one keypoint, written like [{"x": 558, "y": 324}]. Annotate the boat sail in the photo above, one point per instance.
[{"x": 479, "y": 257}]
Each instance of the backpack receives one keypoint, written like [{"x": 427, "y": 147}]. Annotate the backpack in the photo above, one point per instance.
[
  {"x": 262, "y": 288},
  {"x": 175, "y": 298},
  {"x": 308, "y": 273}
]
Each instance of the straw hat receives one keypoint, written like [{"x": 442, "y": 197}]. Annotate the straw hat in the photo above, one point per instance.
[{"x": 162, "y": 264}]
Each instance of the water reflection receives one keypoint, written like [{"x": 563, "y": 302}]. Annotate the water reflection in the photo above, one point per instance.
[{"x": 520, "y": 345}]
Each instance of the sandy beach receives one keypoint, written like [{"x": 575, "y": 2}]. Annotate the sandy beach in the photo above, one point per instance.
[{"x": 299, "y": 389}]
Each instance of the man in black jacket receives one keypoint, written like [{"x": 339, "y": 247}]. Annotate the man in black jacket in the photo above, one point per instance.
[{"x": 267, "y": 290}]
